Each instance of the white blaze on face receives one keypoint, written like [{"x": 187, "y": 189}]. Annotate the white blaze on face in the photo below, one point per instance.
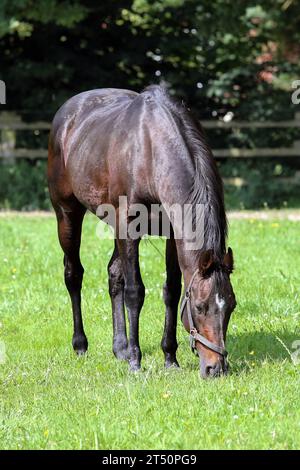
[{"x": 220, "y": 302}]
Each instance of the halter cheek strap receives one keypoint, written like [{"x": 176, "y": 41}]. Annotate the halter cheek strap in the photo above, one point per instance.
[{"x": 194, "y": 335}]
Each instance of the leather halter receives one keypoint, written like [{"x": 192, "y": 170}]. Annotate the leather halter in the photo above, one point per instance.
[{"x": 194, "y": 335}]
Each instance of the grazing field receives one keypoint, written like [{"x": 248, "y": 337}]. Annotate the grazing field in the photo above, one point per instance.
[{"x": 50, "y": 399}]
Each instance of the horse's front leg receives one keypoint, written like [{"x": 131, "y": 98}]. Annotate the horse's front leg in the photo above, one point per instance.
[
  {"x": 171, "y": 294},
  {"x": 134, "y": 294}
]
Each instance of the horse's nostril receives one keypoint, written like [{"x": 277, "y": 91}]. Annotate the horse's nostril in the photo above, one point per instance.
[
  {"x": 211, "y": 371},
  {"x": 215, "y": 371}
]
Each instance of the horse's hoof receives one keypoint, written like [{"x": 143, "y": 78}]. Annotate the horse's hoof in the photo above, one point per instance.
[
  {"x": 122, "y": 354},
  {"x": 80, "y": 345},
  {"x": 134, "y": 367},
  {"x": 172, "y": 364},
  {"x": 80, "y": 352}
]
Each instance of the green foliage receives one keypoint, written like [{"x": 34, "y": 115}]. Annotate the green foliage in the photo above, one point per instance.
[
  {"x": 267, "y": 183},
  {"x": 20, "y": 16},
  {"x": 23, "y": 186},
  {"x": 52, "y": 400},
  {"x": 208, "y": 52},
  {"x": 217, "y": 57}
]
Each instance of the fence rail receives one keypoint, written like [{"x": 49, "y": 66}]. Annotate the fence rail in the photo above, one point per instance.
[{"x": 10, "y": 123}]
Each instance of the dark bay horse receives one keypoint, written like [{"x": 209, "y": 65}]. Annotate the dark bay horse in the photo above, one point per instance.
[{"x": 109, "y": 143}]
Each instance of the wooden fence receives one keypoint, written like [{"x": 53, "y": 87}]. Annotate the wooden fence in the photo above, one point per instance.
[{"x": 11, "y": 123}]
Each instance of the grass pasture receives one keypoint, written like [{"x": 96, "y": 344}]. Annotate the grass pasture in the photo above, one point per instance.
[{"x": 50, "y": 399}]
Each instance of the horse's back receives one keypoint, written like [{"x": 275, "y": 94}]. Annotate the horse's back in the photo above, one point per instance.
[
  {"x": 75, "y": 111},
  {"x": 111, "y": 142}
]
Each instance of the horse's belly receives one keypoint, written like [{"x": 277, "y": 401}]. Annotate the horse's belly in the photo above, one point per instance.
[{"x": 91, "y": 197}]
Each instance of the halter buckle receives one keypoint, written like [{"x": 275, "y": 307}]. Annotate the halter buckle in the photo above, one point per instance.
[{"x": 193, "y": 341}]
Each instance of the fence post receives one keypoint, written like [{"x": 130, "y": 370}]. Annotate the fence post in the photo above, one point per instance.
[
  {"x": 8, "y": 136},
  {"x": 297, "y": 142},
  {"x": 2, "y": 92}
]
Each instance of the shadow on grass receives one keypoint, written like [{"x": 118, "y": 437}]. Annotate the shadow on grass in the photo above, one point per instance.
[
  {"x": 246, "y": 350},
  {"x": 252, "y": 349}
]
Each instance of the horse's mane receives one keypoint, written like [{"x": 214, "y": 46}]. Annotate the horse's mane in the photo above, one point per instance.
[{"x": 208, "y": 186}]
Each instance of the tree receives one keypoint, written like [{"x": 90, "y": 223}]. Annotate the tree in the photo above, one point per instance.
[{"x": 217, "y": 57}]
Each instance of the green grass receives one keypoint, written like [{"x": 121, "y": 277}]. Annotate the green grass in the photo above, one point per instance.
[{"x": 50, "y": 399}]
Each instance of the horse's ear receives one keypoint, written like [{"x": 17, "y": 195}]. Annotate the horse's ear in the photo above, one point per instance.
[
  {"x": 228, "y": 261},
  {"x": 206, "y": 262}
]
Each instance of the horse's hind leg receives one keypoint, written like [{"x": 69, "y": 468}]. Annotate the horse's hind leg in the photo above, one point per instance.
[
  {"x": 171, "y": 293},
  {"x": 69, "y": 219},
  {"x": 116, "y": 292}
]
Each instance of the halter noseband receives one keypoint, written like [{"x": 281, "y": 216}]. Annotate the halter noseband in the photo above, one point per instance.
[{"x": 194, "y": 335}]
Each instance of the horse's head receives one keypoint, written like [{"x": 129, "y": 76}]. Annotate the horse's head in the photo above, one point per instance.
[{"x": 207, "y": 306}]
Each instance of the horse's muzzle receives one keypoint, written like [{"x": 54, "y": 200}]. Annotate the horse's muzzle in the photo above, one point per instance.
[{"x": 221, "y": 367}]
